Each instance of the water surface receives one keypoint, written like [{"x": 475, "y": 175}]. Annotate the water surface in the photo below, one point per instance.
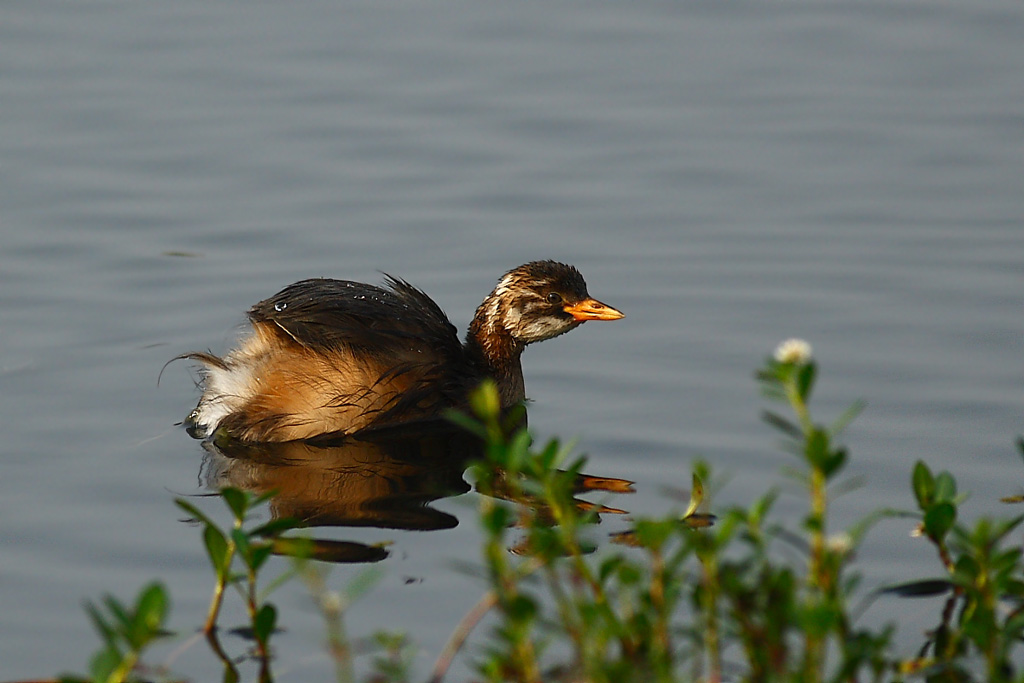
[{"x": 728, "y": 174}]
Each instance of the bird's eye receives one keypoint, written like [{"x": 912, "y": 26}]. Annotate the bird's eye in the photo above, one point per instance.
[{"x": 554, "y": 298}]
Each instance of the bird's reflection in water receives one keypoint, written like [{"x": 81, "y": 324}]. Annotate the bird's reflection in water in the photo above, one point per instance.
[{"x": 385, "y": 479}]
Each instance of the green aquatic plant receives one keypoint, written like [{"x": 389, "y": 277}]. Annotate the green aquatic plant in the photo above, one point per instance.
[
  {"x": 126, "y": 631},
  {"x": 983, "y": 618},
  {"x": 684, "y": 596},
  {"x": 688, "y": 588},
  {"x": 251, "y": 547}
]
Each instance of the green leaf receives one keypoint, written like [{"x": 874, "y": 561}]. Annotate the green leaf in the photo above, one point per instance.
[
  {"x": 484, "y": 401},
  {"x": 763, "y": 505},
  {"x": 817, "y": 448},
  {"x": 945, "y": 487},
  {"x": 520, "y": 608},
  {"x": 519, "y": 449},
  {"x": 276, "y": 527},
  {"x": 514, "y": 418},
  {"x": 653, "y": 534},
  {"x": 966, "y": 571},
  {"x": 497, "y": 519},
  {"x": 262, "y": 498},
  {"x": 979, "y": 624},
  {"x": 818, "y": 619},
  {"x": 470, "y": 424},
  {"x": 237, "y": 500},
  {"x": 938, "y": 520},
  {"x": 103, "y": 664},
  {"x": 1006, "y": 561},
  {"x": 696, "y": 496},
  {"x": 1006, "y": 526},
  {"x": 844, "y": 420},
  {"x": 861, "y": 527},
  {"x": 230, "y": 675},
  {"x": 217, "y": 549},
  {"x": 573, "y": 470},
  {"x": 608, "y": 567},
  {"x": 264, "y": 622},
  {"x": 805, "y": 380},
  {"x": 149, "y": 614},
  {"x": 1014, "y": 589},
  {"x": 118, "y": 611},
  {"x": 630, "y": 575},
  {"x": 106, "y": 631},
  {"x": 834, "y": 462},
  {"x": 813, "y": 523},
  {"x": 1014, "y": 626},
  {"x": 924, "y": 485},
  {"x": 260, "y": 553},
  {"x": 782, "y": 424},
  {"x": 552, "y": 453},
  {"x": 242, "y": 544}
]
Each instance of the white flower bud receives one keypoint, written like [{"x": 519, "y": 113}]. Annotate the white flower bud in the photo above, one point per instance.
[{"x": 793, "y": 352}]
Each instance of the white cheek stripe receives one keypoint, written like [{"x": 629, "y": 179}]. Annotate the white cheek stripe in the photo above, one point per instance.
[{"x": 543, "y": 328}]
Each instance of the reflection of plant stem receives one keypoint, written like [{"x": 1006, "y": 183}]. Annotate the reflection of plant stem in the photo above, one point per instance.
[
  {"x": 465, "y": 626},
  {"x": 262, "y": 649},
  {"x": 265, "y": 676},
  {"x": 253, "y": 607},
  {"x": 230, "y": 671}
]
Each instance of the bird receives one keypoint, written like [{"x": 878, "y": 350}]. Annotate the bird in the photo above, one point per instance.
[{"x": 337, "y": 357}]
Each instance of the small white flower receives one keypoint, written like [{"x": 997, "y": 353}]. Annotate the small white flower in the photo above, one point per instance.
[
  {"x": 840, "y": 544},
  {"x": 794, "y": 352},
  {"x": 331, "y": 603}
]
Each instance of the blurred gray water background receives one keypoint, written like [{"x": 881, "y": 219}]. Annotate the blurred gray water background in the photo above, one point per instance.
[{"x": 729, "y": 174}]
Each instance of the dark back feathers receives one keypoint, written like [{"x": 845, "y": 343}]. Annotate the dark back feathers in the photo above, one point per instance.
[{"x": 324, "y": 314}]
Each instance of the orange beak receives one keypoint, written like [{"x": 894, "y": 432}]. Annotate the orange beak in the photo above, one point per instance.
[{"x": 592, "y": 309}]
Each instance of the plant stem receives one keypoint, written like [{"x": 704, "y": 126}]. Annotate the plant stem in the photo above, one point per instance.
[
  {"x": 709, "y": 600},
  {"x": 332, "y": 607},
  {"x": 486, "y": 602},
  {"x": 662, "y": 614},
  {"x": 215, "y": 604}
]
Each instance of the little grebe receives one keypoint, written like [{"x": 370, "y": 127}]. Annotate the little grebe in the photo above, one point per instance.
[{"x": 336, "y": 357}]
